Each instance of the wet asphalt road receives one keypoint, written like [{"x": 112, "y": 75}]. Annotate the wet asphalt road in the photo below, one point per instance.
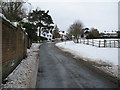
[{"x": 58, "y": 69}]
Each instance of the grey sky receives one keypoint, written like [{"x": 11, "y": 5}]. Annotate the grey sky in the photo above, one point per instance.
[{"x": 100, "y": 15}]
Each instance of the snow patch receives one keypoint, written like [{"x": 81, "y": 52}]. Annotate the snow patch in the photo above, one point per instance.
[
  {"x": 105, "y": 58},
  {"x": 15, "y": 24}
]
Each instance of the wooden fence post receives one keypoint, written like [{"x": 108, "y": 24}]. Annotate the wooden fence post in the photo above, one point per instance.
[
  {"x": 110, "y": 43},
  {"x": 99, "y": 43},
  {"x": 114, "y": 43},
  {"x": 87, "y": 41},
  {"x": 104, "y": 43},
  {"x": 83, "y": 41},
  {"x": 93, "y": 42}
]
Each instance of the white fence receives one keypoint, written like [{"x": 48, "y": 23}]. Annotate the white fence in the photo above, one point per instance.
[{"x": 111, "y": 43}]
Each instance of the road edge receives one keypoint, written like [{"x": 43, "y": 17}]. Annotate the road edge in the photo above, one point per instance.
[{"x": 91, "y": 65}]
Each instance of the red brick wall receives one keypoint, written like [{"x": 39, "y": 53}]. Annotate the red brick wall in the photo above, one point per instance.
[{"x": 14, "y": 46}]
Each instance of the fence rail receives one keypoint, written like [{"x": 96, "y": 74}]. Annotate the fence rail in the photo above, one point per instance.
[{"x": 101, "y": 42}]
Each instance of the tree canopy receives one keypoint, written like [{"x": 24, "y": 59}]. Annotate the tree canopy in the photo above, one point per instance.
[
  {"x": 76, "y": 29},
  {"x": 38, "y": 21},
  {"x": 93, "y": 33},
  {"x": 31, "y": 31},
  {"x": 14, "y": 11},
  {"x": 41, "y": 19}
]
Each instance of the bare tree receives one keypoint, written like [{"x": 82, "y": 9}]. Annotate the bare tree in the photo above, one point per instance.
[
  {"x": 76, "y": 29},
  {"x": 13, "y": 11}
]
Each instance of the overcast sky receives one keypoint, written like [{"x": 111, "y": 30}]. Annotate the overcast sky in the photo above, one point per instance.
[{"x": 100, "y": 14}]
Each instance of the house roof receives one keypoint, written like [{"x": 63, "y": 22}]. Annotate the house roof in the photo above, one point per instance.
[{"x": 61, "y": 32}]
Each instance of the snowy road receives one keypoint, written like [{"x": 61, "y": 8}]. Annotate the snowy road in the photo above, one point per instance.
[{"x": 58, "y": 69}]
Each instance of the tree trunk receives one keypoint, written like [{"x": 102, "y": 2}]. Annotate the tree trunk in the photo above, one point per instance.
[
  {"x": 39, "y": 33},
  {"x": 77, "y": 40}
]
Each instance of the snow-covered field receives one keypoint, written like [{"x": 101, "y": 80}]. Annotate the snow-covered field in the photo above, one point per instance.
[
  {"x": 107, "y": 57},
  {"x": 24, "y": 76}
]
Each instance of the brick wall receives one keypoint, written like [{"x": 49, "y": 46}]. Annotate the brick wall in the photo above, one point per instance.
[
  {"x": 0, "y": 51},
  {"x": 14, "y": 46}
]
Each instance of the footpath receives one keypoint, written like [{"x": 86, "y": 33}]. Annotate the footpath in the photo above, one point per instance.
[{"x": 25, "y": 74}]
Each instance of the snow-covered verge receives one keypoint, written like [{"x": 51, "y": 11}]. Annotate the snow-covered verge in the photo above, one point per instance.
[
  {"x": 25, "y": 74},
  {"x": 105, "y": 59}
]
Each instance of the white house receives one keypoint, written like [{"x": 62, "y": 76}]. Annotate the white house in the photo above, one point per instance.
[{"x": 49, "y": 36}]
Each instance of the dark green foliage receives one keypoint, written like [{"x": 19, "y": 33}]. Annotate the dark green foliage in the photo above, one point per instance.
[
  {"x": 42, "y": 19},
  {"x": 38, "y": 20},
  {"x": 31, "y": 31},
  {"x": 93, "y": 33}
]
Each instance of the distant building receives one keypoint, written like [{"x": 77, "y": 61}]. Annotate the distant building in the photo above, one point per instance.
[
  {"x": 49, "y": 36},
  {"x": 109, "y": 34},
  {"x": 62, "y": 34}
]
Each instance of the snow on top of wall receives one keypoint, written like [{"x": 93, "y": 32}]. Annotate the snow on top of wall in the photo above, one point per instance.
[
  {"x": 1, "y": 15},
  {"x": 109, "y": 55},
  {"x": 13, "y": 23},
  {"x": 26, "y": 33}
]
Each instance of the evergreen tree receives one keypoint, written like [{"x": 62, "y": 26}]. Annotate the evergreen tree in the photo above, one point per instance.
[
  {"x": 31, "y": 31},
  {"x": 41, "y": 19},
  {"x": 93, "y": 33}
]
